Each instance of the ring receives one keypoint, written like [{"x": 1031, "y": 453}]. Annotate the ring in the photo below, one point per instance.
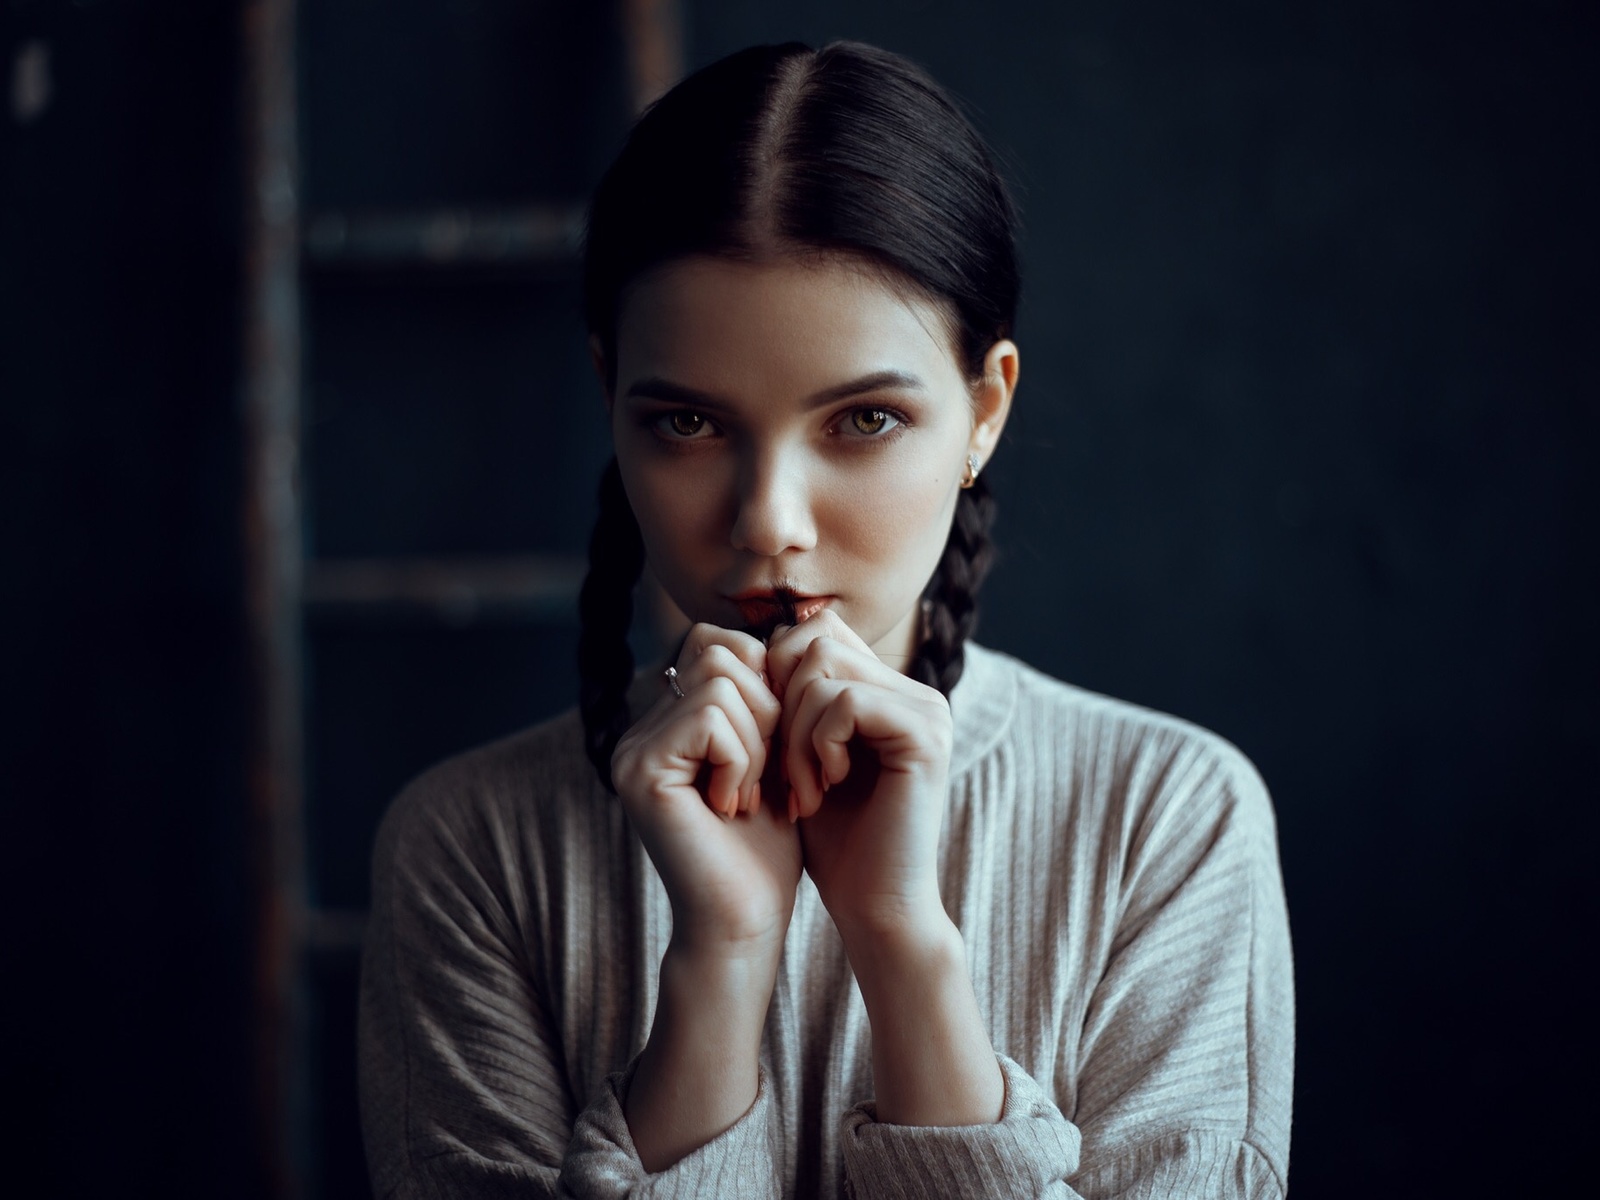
[{"x": 672, "y": 681}]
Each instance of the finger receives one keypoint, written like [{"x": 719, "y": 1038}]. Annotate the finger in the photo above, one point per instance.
[
  {"x": 724, "y": 750},
  {"x": 709, "y": 651},
  {"x": 702, "y": 636},
  {"x": 903, "y": 730},
  {"x": 788, "y": 645},
  {"x": 724, "y": 694},
  {"x": 664, "y": 765},
  {"x": 809, "y": 774},
  {"x": 825, "y": 657},
  {"x": 718, "y": 660},
  {"x": 829, "y": 735},
  {"x": 750, "y": 696},
  {"x": 821, "y": 661},
  {"x": 853, "y": 713}
]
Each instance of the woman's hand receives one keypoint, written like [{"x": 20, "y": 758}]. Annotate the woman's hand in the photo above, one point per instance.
[
  {"x": 689, "y": 774},
  {"x": 867, "y": 753},
  {"x": 685, "y": 771}
]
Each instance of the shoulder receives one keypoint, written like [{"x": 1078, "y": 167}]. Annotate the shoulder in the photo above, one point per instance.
[
  {"x": 489, "y": 808},
  {"x": 1134, "y": 765}
]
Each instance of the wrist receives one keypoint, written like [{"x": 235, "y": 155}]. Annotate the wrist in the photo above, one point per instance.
[
  {"x": 904, "y": 933},
  {"x": 718, "y": 963},
  {"x": 887, "y": 955},
  {"x": 711, "y": 935},
  {"x": 715, "y": 989},
  {"x": 932, "y": 1059},
  {"x": 700, "y": 1070},
  {"x": 718, "y": 953}
]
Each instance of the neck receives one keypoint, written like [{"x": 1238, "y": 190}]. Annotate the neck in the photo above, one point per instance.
[{"x": 899, "y": 646}]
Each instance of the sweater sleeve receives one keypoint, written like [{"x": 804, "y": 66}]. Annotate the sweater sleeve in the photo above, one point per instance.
[
  {"x": 462, "y": 1085},
  {"x": 1186, "y": 1053},
  {"x": 1029, "y": 1152},
  {"x": 1186, "y": 1056}
]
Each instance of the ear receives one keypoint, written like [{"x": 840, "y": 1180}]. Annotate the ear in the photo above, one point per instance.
[
  {"x": 992, "y": 402},
  {"x": 598, "y": 359}
]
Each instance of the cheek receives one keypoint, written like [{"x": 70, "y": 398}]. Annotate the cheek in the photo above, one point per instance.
[
  {"x": 897, "y": 517},
  {"x": 676, "y": 509}
]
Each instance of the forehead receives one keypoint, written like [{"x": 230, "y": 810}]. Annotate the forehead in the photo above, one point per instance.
[{"x": 731, "y": 325}]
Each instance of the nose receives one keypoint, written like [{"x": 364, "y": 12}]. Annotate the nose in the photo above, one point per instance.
[{"x": 773, "y": 508}]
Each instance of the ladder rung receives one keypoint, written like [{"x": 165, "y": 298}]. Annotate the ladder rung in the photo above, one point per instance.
[
  {"x": 456, "y": 589},
  {"x": 539, "y": 235}
]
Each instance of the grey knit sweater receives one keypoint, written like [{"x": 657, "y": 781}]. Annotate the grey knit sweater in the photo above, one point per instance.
[{"x": 1113, "y": 871}]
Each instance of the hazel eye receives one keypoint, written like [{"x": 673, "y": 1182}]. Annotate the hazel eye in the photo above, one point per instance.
[
  {"x": 682, "y": 424},
  {"x": 872, "y": 422}
]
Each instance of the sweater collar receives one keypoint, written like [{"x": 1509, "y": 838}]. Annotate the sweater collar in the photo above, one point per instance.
[{"x": 981, "y": 706}]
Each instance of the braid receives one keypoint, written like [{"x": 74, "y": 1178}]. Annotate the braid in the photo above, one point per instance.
[
  {"x": 951, "y": 598},
  {"x": 605, "y": 611}
]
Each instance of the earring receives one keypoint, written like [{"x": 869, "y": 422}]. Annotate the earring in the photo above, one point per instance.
[{"x": 971, "y": 477}]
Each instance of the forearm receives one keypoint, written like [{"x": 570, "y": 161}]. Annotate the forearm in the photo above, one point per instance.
[
  {"x": 932, "y": 1060},
  {"x": 699, "y": 1071}
]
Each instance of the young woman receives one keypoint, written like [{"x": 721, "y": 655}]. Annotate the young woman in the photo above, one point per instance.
[{"x": 838, "y": 902}]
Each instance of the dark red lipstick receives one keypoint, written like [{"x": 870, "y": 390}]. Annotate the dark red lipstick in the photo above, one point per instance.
[{"x": 764, "y": 610}]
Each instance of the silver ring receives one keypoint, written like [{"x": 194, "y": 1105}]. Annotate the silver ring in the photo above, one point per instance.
[{"x": 672, "y": 681}]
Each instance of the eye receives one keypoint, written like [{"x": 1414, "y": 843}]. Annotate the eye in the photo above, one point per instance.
[
  {"x": 871, "y": 422},
  {"x": 682, "y": 425}
]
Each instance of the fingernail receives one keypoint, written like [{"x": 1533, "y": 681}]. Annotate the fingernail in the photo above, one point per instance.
[{"x": 755, "y": 798}]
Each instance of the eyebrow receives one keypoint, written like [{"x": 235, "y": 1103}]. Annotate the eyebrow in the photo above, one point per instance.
[{"x": 656, "y": 388}]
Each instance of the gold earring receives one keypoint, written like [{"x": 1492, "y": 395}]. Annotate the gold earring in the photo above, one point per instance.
[{"x": 971, "y": 477}]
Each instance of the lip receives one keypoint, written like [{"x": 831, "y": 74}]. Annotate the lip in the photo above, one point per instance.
[{"x": 759, "y": 606}]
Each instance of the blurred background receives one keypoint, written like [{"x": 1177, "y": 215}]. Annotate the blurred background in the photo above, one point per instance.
[{"x": 300, "y": 444}]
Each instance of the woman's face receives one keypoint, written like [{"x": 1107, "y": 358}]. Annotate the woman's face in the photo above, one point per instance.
[{"x": 796, "y": 427}]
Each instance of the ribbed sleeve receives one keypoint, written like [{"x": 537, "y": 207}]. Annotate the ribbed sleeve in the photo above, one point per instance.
[
  {"x": 1185, "y": 1164},
  {"x": 602, "y": 1161},
  {"x": 458, "y": 1086},
  {"x": 1030, "y": 1152},
  {"x": 462, "y": 1090}
]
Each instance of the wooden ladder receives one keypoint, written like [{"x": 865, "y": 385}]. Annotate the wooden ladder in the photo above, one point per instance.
[{"x": 406, "y": 291}]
